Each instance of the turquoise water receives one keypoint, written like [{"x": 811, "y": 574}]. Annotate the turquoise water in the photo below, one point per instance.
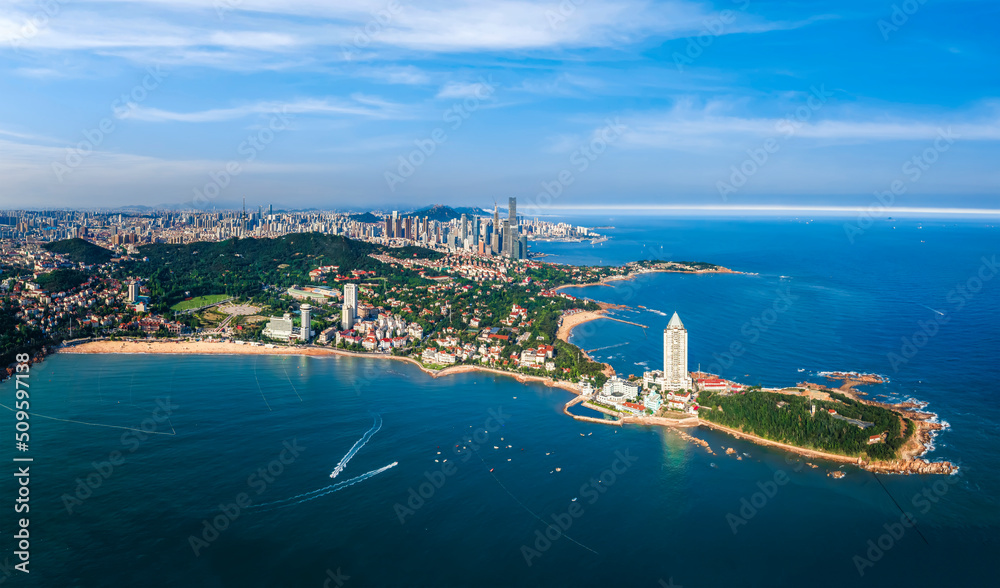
[{"x": 666, "y": 512}]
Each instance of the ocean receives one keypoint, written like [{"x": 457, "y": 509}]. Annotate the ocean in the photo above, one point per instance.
[{"x": 215, "y": 470}]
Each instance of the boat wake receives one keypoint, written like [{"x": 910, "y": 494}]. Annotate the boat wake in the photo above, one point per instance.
[
  {"x": 314, "y": 494},
  {"x": 306, "y": 497},
  {"x": 357, "y": 446}
]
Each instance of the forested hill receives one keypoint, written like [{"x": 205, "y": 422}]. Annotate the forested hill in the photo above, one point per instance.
[
  {"x": 80, "y": 250},
  {"x": 240, "y": 267},
  {"x": 443, "y": 214}
]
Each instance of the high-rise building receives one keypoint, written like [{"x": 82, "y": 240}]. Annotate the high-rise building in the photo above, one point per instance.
[
  {"x": 675, "y": 355},
  {"x": 511, "y": 231},
  {"x": 347, "y": 318},
  {"x": 351, "y": 295},
  {"x": 133, "y": 291},
  {"x": 463, "y": 227},
  {"x": 305, "y": 331}
]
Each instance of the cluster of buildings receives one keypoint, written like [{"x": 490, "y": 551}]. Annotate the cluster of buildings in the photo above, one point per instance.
[
  {"x": 485, "y": 237},
  {"x": 477, "y": 235},
  {"x": 672, "y": 388}
]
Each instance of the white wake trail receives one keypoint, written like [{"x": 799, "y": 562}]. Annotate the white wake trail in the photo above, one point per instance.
[
  {"x": 326, "y": 490},
  {"x": 357, "y": 446}
]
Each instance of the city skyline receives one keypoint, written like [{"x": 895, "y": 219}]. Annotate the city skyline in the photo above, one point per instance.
[{"x": 567, "y": 106}]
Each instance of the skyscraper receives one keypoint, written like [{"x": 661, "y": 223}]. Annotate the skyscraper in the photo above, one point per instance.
[
  {"x": 675, "y": 355},
  {"x": 511, "y": 231},
  {"x": 351, "y": 295},
  {"x": 305, "y": 331}
]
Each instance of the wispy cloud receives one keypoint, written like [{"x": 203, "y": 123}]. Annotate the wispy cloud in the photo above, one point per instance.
[
  {"x": 361, "y": 106},
  {"x": 686, "y": 126},
  {"x": 212, "y": 31}
]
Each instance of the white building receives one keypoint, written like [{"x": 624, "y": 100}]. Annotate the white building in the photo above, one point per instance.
[
  {"x": 133, "y": 291},
  {"x": 305, "y": 332},
  {"x": 617, "y": 390},
  {"x": 675, "y": 355},
  {"x": 653, "y": 401},
  {"x": 279, "y": 328},
  {"x": 351, "y": 296},
  {"x": 346, "y": 317}
]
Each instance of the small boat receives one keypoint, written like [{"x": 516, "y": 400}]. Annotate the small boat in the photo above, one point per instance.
[
  {"x": 491, "y": 470},
  {"x": 574, "y": 500}
]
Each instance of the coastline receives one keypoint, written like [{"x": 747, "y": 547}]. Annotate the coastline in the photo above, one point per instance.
[
  {"x": 633, "y": 275},
  {"x": 220, "y": 348},
  {"x": 909, "y": 463}
]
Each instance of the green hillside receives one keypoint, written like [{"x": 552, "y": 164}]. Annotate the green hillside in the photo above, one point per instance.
[{"x": 80, "y": 251}]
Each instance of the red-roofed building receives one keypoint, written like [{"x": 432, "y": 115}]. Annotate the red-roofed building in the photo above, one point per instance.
[{"x": 633, "y": 407}]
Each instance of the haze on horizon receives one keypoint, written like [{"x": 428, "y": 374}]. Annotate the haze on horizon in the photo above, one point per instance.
[{"x": 335, "y": 104}]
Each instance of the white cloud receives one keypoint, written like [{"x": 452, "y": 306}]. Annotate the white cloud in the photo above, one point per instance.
[
  {"x": 224, "y": 30},
  {"x": 686, "y": 126},
  {"x": 363, "y": 106}
]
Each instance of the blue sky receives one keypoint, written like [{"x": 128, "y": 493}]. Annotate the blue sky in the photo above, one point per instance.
[{"x": 333, "y": 104}]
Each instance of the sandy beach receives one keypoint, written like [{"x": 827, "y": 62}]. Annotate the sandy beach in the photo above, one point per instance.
[
  {"x": 229, "y": 348},
  {"x": 570, "y": 322}
]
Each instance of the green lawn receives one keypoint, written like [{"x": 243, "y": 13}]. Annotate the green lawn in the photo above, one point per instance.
[{"x": 199, "y": 301}]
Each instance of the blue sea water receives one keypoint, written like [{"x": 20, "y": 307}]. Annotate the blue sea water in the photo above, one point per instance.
[{"x": 651, "y": 509}]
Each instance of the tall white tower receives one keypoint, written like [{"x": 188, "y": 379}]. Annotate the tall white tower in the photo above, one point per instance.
[
  {"x": 305, "y": 332},
  {"x": 675, "y": 355}
]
